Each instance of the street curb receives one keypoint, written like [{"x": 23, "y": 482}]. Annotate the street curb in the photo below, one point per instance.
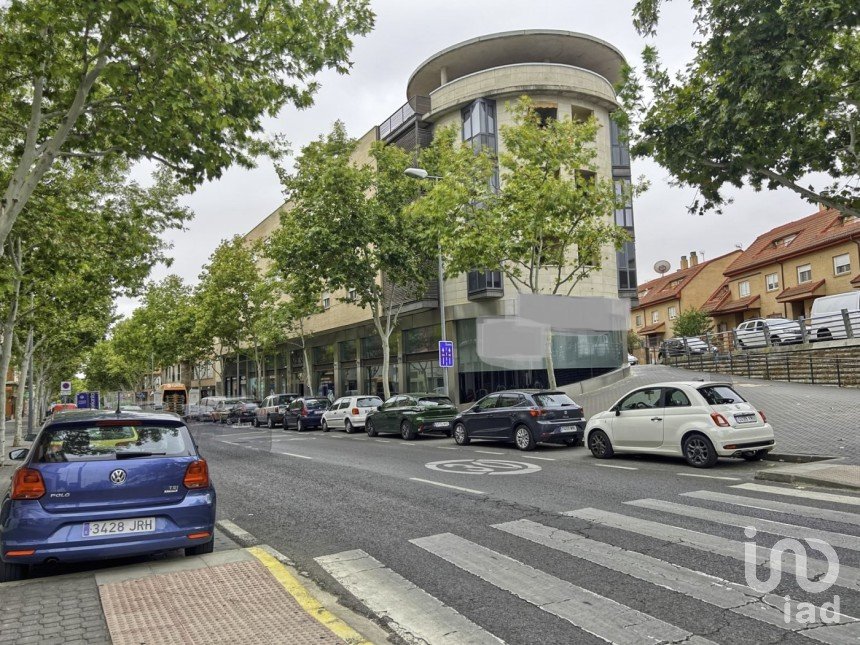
[
  {"x": 811, "y": 480},
  {"x": 797, "y": 459},
  {"x": 237, "y": 533}
]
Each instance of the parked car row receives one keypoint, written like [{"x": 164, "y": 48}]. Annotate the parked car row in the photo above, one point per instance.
[{"x": 700, "y": 421}]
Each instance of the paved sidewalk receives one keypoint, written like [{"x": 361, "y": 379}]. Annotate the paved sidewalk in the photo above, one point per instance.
[
  {"x": 232, "y": 596},
  {"x": 807, "y": 419},
  {"x": 821, "y": 473}
]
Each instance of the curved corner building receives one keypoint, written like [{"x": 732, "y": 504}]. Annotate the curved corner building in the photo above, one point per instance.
[{"x": 471, "y": 84}]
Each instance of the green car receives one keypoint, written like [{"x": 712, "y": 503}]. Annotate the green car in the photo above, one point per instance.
[{"x": 411, "y": 415}]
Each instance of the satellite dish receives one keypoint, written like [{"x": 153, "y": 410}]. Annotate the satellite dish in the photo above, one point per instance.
[{"x": 662, "y": 266}]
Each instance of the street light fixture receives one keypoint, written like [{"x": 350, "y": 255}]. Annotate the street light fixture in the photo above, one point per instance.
[{"x": 420, "y": 173}]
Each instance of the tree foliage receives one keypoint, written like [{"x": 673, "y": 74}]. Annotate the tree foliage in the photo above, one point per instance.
[
  {"x": 772, "y": 95},
  {"x": 692, "y": 322},
  {"x": 344, "y": 225},
  {"x": 186, "y": 83}
]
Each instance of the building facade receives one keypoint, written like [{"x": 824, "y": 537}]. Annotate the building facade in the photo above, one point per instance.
[
  {"x": 784, "y": 270},
  {"x": 661, "y": 300},
  {"x": 470, "y": 86}
]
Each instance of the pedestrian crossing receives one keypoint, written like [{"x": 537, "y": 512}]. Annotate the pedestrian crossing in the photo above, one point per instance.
[{"x": 418, "y": 616}]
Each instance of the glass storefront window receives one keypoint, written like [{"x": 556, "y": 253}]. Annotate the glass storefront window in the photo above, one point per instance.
[
  {"x": 373, "y": 380},
  {"x": 371, "y": 346},
  {"x": 348, "y": 381},
  {"x": 347, "y": 350},
  {"x": 297, "y": 358},
  {"x": 425, "y": 376},
  {"x": 422, "y": 339},
  {"x": 323, "y": 354},
  {"x": 324, "y": 382}
]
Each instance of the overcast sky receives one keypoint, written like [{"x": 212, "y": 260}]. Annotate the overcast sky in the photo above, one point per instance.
[{"x": 407, "y": 33}]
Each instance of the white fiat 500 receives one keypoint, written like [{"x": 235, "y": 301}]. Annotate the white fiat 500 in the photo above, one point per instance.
[
  {"x": 349, "y": 413},
  {"x": 700, "y": 421}
]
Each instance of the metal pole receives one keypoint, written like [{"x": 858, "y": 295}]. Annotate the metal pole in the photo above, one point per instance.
[
  {"x": 30, "y": 391},
  {"x": 442, "y": 317}
]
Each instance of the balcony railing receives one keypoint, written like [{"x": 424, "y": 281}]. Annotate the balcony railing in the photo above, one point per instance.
[{"x": 416, "y": 106}]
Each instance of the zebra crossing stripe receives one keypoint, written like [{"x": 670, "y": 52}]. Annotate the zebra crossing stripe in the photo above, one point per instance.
[
  {"x": 849, "y": 577},
  {"x": 605, "y": 618},
  {"x": 733, "y": 519},
  {"x": 806, "y": 494},
  {"x": 411, "y": 611},
  {"x": 740, "y": 599},
  {"x": 780, "y": 507}
]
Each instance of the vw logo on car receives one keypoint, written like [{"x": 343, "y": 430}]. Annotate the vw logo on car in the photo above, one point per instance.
[{"x": 118, "y": 476}]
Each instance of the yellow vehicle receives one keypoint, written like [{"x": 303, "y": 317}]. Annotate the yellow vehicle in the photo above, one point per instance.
[{"x": 174, "y": 397}]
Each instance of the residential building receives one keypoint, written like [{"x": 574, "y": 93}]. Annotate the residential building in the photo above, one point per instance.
[
  {"x": 785, "y": 269},
  {"x": 470, "y": 86},
  {"x": 661, "y": 300}
]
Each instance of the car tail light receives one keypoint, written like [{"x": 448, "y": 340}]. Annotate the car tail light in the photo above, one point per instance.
[
  {"x": 27, "y": 483},
  {"x": 763, "y": 417},
  {"x": 18, "y": 554},
  {"x": 720, "y": 420},
  {"x": 537, "y": 412},
  {"x": 197, "y": 475},
  {"x": 355, "y": 411},
  {"x": 198, "y": 536}
]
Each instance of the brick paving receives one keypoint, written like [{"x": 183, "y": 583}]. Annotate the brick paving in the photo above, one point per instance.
[{"x": 807, "y": 419}]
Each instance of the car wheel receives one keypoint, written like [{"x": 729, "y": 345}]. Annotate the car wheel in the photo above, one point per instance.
[
  {"x": 461, "y": 435},
  {"x": 406, "y": 430},
  {"x": 299, "y": 427},
  {"x": 347, "y": 426},
  {"x": 270, "y": 423},
  {"x": 699, "y": 451},
  {"x": 200, "y": 549},
  {"x": 599, "y": 445},
  {"x": 524, "y": 438},
  {"x": 12, "y": 571},
  {"x": 573, "y": 441},
  {"x": 369, "y": 428},
  {"x": 324, "y": 426},
  {"x": 774, "y": 340},
  {"x": 755, "y": 455}
]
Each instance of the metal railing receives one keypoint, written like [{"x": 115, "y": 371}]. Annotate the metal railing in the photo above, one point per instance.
[
  {"x": 417, "y": 106},
  {"x": 774, "y": 349}
]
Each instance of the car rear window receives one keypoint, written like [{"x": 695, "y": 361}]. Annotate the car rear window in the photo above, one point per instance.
[
  {"x": 316, "y": 404},
  {"x": 720, "y": 395},
  {"x": 100, "y": 443},
  {"x": 435, "y": 400},
  {"x": 368, "y": 402},
  {"x": 554, "y": 400}
]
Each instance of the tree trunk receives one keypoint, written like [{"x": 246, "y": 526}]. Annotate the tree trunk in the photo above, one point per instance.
[
  {"x": 26, "y": 366},
  {"x": 6, "y": 358},
  {"x": 308, "y": 381},
  {"x": 550, "y": 364},
  {"x": 386, "y": 361}
]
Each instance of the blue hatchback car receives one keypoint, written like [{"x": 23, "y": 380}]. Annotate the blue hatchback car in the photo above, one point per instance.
[{"x": 99, "y": 484}]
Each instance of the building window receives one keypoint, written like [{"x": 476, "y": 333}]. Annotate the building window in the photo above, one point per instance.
[
  {"x": 804, "y": 273},
  {"x": 326, "y": 301},
  {"x": 623, "y": 215},
  {"x": 588, "y": 256},
  {"x": 479, "y": 130},
  {"x": 350, "y": 295},
  {"x": 545, "y": 114},
  {"x": 673, "y": 312},
  {"x": 620, "y": 152},
  {"x": 581, "y": 114},
  {"x": 785, "y": 241},
  {"x": 655, "y": 317},
  {"x": 638, "y": 320},
  {"x": 772, "y": 281},
  {"x": 744, "y": 288},
  {"x": 842, "y": 264},
  {"x": 626, "y": 260}
]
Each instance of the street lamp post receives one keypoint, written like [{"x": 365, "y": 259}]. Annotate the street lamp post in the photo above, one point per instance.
[{"x": 420, "y": 173}]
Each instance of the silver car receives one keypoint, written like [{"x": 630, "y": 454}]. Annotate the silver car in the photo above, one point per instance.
[
  {"x": 349, "y": 413},
  {"x": 751, "y": 333}
]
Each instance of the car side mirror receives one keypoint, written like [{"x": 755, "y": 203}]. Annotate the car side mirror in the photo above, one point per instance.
[
  {"x": 18, "y": 455},
  {"x": 617, "y": 412}
]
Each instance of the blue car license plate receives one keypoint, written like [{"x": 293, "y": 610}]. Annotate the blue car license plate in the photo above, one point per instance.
[{"x": 119, "y": 527}]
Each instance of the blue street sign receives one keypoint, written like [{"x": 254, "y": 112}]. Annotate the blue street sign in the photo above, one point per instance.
[
  {"x": 94, "y": 400},
  {"x": 83, "y": 399},
  {"x": 446, "y": 353}
]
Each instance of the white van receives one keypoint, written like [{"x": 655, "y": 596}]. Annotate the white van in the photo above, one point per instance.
[{"x": 826, "y": 321}]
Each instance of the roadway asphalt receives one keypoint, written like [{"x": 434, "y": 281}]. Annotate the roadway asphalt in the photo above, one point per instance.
[{"x": 315, "y": 495}]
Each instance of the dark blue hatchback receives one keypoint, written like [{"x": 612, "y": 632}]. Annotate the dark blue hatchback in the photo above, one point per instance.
[{"x": 98, "y": 484}]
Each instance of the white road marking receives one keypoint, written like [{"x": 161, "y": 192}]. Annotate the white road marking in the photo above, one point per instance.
[
  {"x": 383, "y": 440},
  {"x": 849, "y": 577},
  {"x": 728, "y": 479},
  {"x": 779, "y": 507},
  {"x": 591, "y": 612},
  {"x": 619, "y": 467},
  {"x": 460, "y": 488},
  {"x": 806, "y": 494},
  {"x": 247, "y": 434},
  {"x": 541, "y": 458},
  {"x": 446, "y": 447},
  {"x": 409, "y": 610},
  {"x": 765, "y": 526},
  {"x": 292, "y": 454},
  {"x": 490, "y": 452},
  {"x": 740, "y": 599}
]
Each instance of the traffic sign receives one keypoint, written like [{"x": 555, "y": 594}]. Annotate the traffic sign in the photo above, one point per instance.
[
  {"x": 82, "y": 400},
  {"x": 66, "y": 387},
  {"x": 446, "y": 353}
]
